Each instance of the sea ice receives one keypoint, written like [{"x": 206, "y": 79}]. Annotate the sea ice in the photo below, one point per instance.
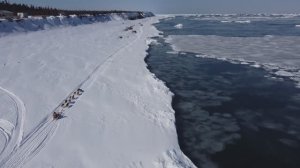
[
  {"x": 179, "y": 26},
  {"x": 280, "y": 53}
]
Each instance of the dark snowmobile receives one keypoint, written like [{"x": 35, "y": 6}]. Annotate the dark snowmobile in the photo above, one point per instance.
[{"x": 57, "y": 115}]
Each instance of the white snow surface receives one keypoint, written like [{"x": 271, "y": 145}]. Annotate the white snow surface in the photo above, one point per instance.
[
  {"x": 123, "y": 119},
  {"x": 278, "y": 54}
]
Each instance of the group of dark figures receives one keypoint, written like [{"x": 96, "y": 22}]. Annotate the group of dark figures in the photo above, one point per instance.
[{"x": 67, "y": 103}]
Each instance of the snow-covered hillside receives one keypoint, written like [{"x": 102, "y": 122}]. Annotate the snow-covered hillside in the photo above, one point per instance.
[
  {"x": 123, "y": 117},
  {"x": 43, "y": 23}
]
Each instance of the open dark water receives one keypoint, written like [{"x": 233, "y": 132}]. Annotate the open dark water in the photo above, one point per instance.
[
  {"x": 229, "y": 115},
  {"x": 257, "y": 28}
]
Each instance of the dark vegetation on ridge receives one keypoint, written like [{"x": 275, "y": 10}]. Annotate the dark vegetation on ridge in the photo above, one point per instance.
[{"x": 47, "y": 11}]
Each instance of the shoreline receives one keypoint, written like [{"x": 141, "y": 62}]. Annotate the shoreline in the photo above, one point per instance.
[{"x": 123, "y": 119}]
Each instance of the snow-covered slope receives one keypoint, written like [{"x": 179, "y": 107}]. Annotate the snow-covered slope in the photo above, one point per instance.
[
  {"x": 122, "y": 119},
  {"x": 43, "y": 23}
]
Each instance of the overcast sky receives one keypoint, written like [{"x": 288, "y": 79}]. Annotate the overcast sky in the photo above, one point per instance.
[{"x": 177, "y": 6}]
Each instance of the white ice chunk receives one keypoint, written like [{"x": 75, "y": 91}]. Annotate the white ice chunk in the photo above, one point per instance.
[{"x": 179, "y": 26}]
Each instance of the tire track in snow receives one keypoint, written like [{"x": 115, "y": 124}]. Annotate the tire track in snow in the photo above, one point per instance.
[
  {"x": 32, "y": 144},
  {"x": 6, "y": 128},
  {"x": 14, "y": 137},
  {"x": 39, "y": 137},
  {"x": 86, "y": 84},
  {"x": 6, "y": 140}
]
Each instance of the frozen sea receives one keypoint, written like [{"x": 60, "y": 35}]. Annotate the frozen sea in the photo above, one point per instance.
[{"x": 236, "y": 85}]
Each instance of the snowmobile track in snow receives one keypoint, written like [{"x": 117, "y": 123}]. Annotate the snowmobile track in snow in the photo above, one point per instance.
[
  {"x": 12, "y": 132},
  {"x": 26, "y": 148}
]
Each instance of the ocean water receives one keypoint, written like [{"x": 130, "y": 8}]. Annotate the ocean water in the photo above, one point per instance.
[
  {"x": 231, "y": 26},
  {"x": 230, "y": 114}
]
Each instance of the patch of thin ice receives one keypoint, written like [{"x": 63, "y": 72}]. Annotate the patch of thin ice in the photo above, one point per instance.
[
  {"x": 226, "y": 21},
  {"x": 242, "y": 21},
  {"x": 236, "y": 21},
  {"x": 284, "y": 73},
  {"x": 172, "y": 52}
]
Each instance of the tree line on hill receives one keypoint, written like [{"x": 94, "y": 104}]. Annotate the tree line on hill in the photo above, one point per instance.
[{"x": 46, "y": 11}]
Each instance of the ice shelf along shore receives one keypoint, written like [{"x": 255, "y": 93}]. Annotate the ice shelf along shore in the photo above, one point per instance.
[{"x": 123, "y": 119}]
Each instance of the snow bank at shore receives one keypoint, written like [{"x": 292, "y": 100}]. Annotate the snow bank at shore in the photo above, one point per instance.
[
  {"x": 123, "y": 119},
  {"x": 43, "y": 23}
]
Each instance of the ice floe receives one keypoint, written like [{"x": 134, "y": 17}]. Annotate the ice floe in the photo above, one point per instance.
[
  {"x": 278, "y": 54},
  {"x": 178, "y": 26}
]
